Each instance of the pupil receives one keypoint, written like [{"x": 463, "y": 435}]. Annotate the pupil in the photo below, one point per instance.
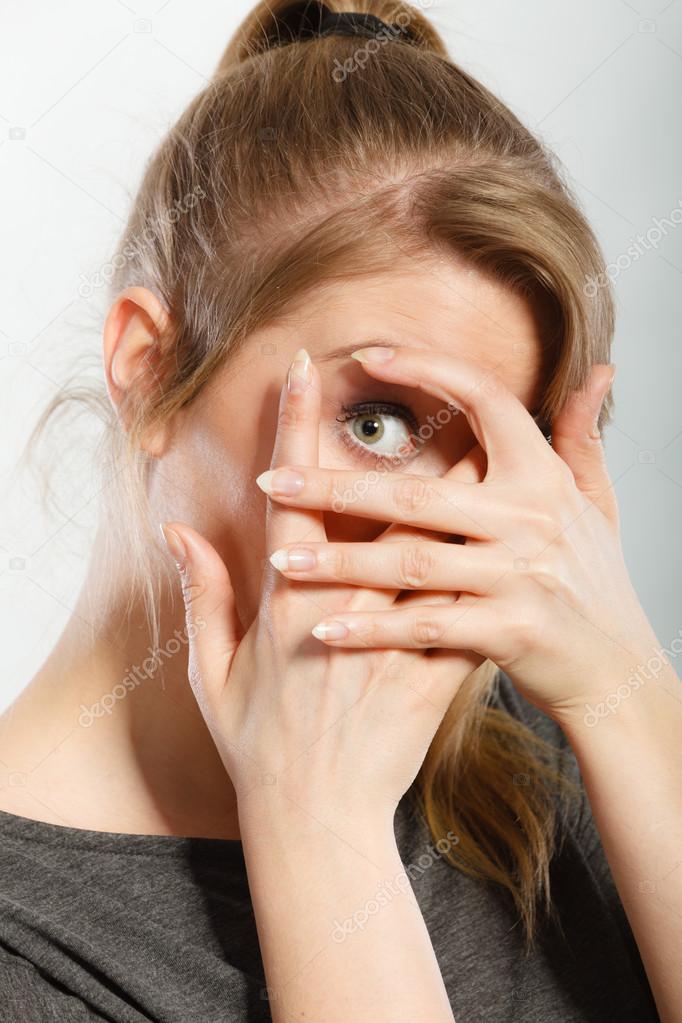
[{"x": 370, "y": 428}]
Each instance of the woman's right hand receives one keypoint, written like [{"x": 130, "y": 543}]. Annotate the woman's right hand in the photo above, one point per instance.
[{"x": 340, "y": 732}]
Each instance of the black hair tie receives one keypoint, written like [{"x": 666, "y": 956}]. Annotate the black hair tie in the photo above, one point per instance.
[
  {"x": 357, "y": 24},
  {"x": 308, "y": 20}
]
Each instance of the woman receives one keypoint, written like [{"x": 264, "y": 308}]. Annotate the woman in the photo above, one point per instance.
[{"x": 366, "y": 803}]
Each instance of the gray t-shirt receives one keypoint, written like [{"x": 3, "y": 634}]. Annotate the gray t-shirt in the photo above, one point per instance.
[{"x": 132, "y": 928}]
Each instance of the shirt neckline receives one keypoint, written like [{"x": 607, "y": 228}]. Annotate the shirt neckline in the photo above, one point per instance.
[{"x": 114, "y": 841}]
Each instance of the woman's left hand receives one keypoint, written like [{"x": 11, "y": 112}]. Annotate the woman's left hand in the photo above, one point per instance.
[{"x": 541, "y": 583}]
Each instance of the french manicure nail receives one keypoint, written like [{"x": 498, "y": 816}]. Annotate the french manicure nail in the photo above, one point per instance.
[
  {"x": 174, "y": 544},
  {"x": 300, "y": 372},
  {"x": 293, "y": 559},
  {"x": 285, "y": 482},
  {"x": 330, "y": 630},
  {"x": 595, "y": 432},
  {"x": 376, "y": 353},
  {"x": 283, "y": 395}
]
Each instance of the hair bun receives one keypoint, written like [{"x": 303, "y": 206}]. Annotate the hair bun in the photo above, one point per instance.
[
  {"x": 319, "y": 20},
  {"x": 273, "y": 24},
  {"x": 297, "y": 21}
]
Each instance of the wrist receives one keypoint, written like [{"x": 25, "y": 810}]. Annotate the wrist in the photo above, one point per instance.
[
  {"x": 630, "y": 705},
  {"x": 269, "y": 813}
]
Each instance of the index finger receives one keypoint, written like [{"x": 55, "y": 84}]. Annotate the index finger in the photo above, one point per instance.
[
  {"x": 296, "y": 440},
  {"x": 501, "y": 423}
]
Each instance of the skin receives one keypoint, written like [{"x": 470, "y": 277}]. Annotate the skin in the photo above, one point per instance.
[
  {"x": 117, "y": 774},
  {"x": 320, "y": 750}
]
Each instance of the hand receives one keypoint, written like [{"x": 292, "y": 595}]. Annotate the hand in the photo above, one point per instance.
[
  {"x": 543, "y": 588},
  {"x": 341, "y": 733}
]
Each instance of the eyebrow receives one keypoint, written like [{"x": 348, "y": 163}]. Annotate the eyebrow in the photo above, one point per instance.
[{"x": 344, "y": 351}]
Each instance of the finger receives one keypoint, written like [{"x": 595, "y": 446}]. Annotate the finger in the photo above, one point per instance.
[
  {"x": 297, "y": 440},
  {"x": 212, "y": 623},
  {"x": 431, "y": 502},
  {"x": 407, "y": 564},
  {"x": 469, "y": 469},
  {"x": 576, "y": 439},
  {"x": 440, "y": 674},
  {"x": 469, "y": 624},
  {"x": 502, "y": 424}
]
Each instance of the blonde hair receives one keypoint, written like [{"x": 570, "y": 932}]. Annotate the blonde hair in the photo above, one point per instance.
[{"x": 284, "y": 173}]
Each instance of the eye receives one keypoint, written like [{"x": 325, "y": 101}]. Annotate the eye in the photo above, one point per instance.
[{"x": 379, "y": 429}]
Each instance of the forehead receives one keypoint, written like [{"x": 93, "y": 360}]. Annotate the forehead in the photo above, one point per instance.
[{"x": 437, "y": 304}]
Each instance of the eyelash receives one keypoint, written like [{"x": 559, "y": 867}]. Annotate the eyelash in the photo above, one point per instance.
[{"x": 390, "y": 408}]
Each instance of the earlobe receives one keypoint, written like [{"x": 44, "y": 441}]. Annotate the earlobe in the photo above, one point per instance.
[{"x": 133, "y": 332}]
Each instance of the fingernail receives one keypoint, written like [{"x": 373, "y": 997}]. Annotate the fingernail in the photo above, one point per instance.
[
  {"x": 175, "y": 545},
  {"x": 330, "y": 630},
  {"x": 293, "y": 559},
  {"x": 595, "y": 433},
  {"x": 374, "y": 354},
  {"x": 300, "y": 372},
  {"x": 286, "y": 482},
  {"x": 283, "y": 395}
]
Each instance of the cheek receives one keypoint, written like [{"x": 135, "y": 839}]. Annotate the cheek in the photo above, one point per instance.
[{"x": 209, "y": 478}]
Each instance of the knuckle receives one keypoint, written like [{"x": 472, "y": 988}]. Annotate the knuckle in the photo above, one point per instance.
[
  {"x": 410, "y": 495},
  {"x": 343, "y": 563},
  {"x": 543, "y": 519},
  {"x": 194, "y": 675},
  {"x": 426, "y": 630},
  {"x": 565, "y": 477},
  {"x": 525, "y": 628},
  {"x": 551, "y": 576},
  {"x": 193, "y": 592},
  {"x": 544, "y": 572},
  {"x": 415, "y": 565},
  {"x": 291, "y": 416}
]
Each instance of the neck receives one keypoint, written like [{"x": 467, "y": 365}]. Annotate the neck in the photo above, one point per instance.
[{"x": 108, "y": 735}]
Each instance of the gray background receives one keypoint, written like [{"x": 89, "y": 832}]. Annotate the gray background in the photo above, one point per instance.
[{"x": 87, "y": 90}]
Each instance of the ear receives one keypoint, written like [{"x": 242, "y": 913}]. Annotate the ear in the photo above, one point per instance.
[{"x": 133, "y": 329}]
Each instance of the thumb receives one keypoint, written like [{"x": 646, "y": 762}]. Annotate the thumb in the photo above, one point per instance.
[
  {"x": 576, "y": 438},
  {"x": 213, "y": 627}
]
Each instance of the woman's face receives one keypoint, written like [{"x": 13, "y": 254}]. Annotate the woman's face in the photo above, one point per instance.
[{"x": 224, "y": 439}]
